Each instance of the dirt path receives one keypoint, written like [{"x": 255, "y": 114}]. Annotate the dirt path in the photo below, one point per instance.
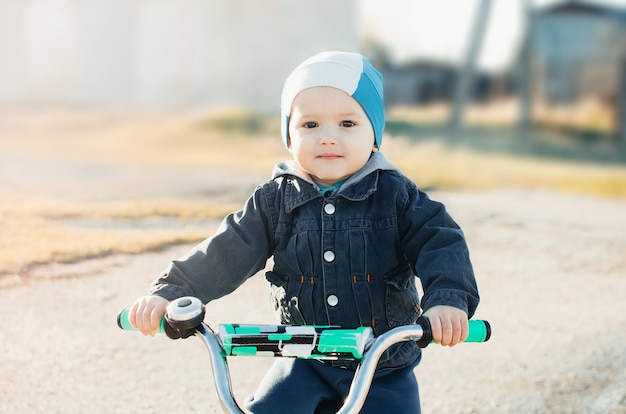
[{"x": 552, "y": 274}]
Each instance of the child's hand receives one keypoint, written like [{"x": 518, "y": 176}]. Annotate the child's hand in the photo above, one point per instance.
[
  {"x": 449, "y": 324},
  {"x": 147, "y": 312}
]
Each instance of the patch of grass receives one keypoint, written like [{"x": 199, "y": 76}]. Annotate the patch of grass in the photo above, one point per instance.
[
  {"x": 238, "y": 123},
  {"x": 435, "y": 165},
  {"x": 35, "y": 229}
]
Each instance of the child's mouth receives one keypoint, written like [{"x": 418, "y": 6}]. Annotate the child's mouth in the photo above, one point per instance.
[{"x": 329, "y": 156}]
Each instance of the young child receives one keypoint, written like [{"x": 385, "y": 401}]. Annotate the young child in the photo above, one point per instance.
[{"x": 348, "y": 233}]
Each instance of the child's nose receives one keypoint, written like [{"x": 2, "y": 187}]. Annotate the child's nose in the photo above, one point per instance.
[{"x": 328, "y": 136}]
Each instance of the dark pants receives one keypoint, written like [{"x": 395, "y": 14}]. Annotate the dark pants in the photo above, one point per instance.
[{"x": 308, "y": 387}]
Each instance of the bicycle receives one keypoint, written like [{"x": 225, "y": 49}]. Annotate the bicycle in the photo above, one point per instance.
[{"x": 185, "y": 317}]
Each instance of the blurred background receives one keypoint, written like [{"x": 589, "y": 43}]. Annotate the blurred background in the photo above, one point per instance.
[
  {"x": 134, "y": 126},
  {"x": 120, "y": 101},
  {"x": 556, "y": 58}
]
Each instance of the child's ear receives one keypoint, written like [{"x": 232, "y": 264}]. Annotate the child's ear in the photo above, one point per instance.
[{"x": 374, "y": 148}]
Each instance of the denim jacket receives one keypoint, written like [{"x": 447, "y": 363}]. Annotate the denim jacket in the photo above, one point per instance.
[{"x": 349, "y": 258}]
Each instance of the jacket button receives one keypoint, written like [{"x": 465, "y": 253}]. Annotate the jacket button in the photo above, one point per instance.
[
  {"x": 329, "y": 208},
  {"x": 332, "y": 300},
  {"x": 329, "y": 256}
]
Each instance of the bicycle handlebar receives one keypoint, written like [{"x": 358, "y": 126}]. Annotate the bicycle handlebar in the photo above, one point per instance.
[
  {"x": 311, "y": 342},
  {"x": 184, "y": 317}
]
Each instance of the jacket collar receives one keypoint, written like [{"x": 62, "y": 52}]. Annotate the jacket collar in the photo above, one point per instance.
[{"x": 301, "y": 188}]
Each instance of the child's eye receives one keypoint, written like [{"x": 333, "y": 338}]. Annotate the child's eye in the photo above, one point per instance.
[
  {"x": 347, "y": 124},
  {"x": 310, "y": 124}
]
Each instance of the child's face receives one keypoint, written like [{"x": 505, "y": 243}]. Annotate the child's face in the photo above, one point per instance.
[{"x": 330, "y": 136}]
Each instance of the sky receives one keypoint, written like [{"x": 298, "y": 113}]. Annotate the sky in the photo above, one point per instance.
[{"x": 440, "y": 29}]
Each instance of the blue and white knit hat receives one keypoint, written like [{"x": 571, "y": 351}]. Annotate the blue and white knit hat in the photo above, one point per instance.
[{"x": 350, "y": 72}]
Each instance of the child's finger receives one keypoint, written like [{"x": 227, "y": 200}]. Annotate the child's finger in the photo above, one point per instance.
[
  {"x": 464, "y": 329},
  {"x": 457, "y": 331},
  {"x": 146, "y": 322},
  {"x": 143, "y": 317},
  {"x": 460, "y": 329},
  {"x": 155, "y": 319},
  {"x": 447, "y": 331},
  {"x": 435, "y": 329},
  {"x": 132, "y": 315}
]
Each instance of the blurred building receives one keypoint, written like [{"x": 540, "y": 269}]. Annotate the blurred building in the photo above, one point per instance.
[
  {"x": 577, "y": 52},
  {"x": 426, "y": 82},
  {"x": 169, "y": 53},
  {"x": 579, "y": 49},
  {"x": 419, "y": 82}
]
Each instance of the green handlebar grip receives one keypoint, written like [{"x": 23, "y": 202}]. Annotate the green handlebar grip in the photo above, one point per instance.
[
  {"x": 124, "y": 323},
  {"x": 479, "y": 331}
]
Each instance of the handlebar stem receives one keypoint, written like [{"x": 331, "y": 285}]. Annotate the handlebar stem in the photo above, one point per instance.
[
  {"x": 365, "y": 373},
  {"x": 361, "y": 382}
]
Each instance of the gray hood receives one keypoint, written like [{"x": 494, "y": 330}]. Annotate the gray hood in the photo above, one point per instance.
[{"x": 377, "y": 161}]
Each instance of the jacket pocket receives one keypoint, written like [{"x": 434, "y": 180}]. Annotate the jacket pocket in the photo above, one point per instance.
[
  {"x": 285, "y": 302},
  {"x": 401, "y": 298}
]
